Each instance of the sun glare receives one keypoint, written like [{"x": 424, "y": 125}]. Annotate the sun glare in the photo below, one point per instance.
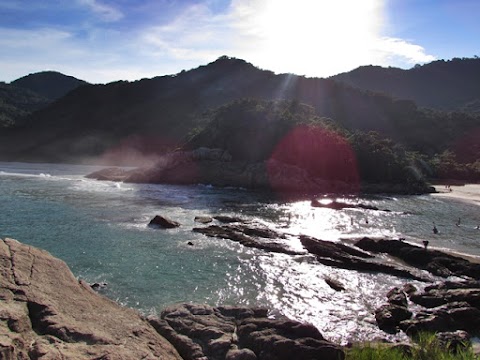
[{"x": 334, "y": 34}]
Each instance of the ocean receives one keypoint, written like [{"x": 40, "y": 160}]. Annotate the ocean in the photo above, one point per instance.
[{"x": 100, "y": 229}]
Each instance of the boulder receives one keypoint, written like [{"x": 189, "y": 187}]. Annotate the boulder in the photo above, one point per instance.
[
  {"x": 389, "y": 316},
  {"x": 163, "y": 222},
  {"x": 203, "y": 219},
  {"x": 45, "y": 312},
  {"x": 220, "y": 333}
]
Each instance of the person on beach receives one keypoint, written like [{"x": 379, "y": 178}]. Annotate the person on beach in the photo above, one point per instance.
[
  {"x": 425, "y": 243},
  {"x": 458, "y": 222},
  {"x": 435, "y": 230}
]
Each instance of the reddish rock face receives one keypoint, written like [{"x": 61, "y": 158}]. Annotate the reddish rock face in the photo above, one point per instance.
[{"x": 45, "y": 312}]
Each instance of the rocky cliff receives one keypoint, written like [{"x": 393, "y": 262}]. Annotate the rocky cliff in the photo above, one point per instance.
[{"x": 46, "y": 313}]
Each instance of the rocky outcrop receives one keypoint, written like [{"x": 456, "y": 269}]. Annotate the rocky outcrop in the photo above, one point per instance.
[
  {"x": 163, "y": 222},
  {"x": 434, "y": 261},
  {"x": 236, "y": 333},
  {"x": 446, "y": 307},
  {"x": 347, "y": 257},
  {"x": 249, "y": 236},
  {"x": 46, "y": 313}
]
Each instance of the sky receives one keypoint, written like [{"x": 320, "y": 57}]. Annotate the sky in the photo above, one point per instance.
[{"x": 101, "y": 41}]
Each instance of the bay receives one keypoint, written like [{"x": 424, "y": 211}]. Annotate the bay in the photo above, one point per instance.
[{"x": 100, "y": 230}]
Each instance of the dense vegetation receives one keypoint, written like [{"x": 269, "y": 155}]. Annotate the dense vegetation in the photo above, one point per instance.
[
  {"x": 49, "y": 84},
  {"x": 427, "y": 347},
  {"x": 16, "y": 103},
  {"x": 30, "y": 93},
  {"x": 445, "y": 85},
  {"x": 257, "y": 130}
]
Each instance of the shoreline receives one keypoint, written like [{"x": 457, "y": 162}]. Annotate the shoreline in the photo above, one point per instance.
[{"x": 467, "y": 193}]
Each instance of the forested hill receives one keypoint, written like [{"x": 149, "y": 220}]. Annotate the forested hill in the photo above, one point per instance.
[
  {"x": 150, "y": 116},
  {"x": 30, "y": 93},
  {"x": 49, "y": 84},
  {"x": 444, "y": 85}
]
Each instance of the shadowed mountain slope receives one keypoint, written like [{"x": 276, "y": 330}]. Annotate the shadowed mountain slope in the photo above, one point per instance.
[
  {"x": 444, "y": 85},
  {"x": 122, "y": 120}
]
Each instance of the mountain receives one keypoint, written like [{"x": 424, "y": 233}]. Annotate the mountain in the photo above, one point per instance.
[
  {"x": 124, "y": 121},
  {"x": 445, "y": 85},
  {"x": 49, "y": 84},
  {"x": 30, "y": 93},
  {"x": 16, "y": 103}
]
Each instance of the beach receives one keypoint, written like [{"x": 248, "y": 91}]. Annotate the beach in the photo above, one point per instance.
[{"x": 468, "y": 192}]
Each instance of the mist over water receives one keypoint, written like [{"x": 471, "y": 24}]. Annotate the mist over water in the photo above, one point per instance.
[{"x": 100, "y": 230}]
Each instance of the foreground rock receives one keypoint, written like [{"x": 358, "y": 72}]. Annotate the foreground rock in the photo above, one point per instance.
[
  {"x": 236, "y": 333},
  {"x": 436, "y": 262},
  {"x": 45, "y": 312}
]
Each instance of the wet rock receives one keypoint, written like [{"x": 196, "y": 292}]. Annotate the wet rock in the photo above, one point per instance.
[
  {"x": 239, "y": 234},
  {"x": 434, "y": 261},
  {"x": 397, "y": 297},
  {"x": 111, "y": 174},
  {"x": 389, "y": 316},
  {"x": 203, "y": 219},
  {"x": 334, "y": 284},
  {"x": 443, "y": 293},
  {"x": 228, "y": 219},
  {"x": 163, "y": 222},
  {"x": 339, "y": 205},
  {"x": 98, "y": 286},
  {"x": 346, "y": 257},
  {"x": 449, "y": 317},
  {"x": 241, "y": 333}
]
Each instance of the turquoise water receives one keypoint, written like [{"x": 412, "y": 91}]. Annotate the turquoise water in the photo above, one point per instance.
[{"x": 100, "y": 230}]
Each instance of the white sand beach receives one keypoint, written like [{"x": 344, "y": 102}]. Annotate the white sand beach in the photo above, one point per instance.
[{"x": 468, "y": 192}]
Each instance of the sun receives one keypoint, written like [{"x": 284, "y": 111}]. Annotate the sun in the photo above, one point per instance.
[{"x": 315, "y": 36}]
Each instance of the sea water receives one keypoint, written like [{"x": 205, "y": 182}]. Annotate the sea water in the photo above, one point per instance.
[{"x": 100, "y": 229}]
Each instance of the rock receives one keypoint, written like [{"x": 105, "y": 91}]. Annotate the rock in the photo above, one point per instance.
[
  {"x": 98, "y": 286},
  {"x": 111, "y": 174},
  {"x": 449, "y": 317},
  {"x": 389, "y": 316},
  {"x": 346, "y": 257},
  {"x": 228, "y": 219},
  {"x": 163, "y": 222},
  {"x": 453, "y": 341},
  {"x": 437, "y": 262},
  {"x": 218, "y": 333},
  {"x": 190, "y": 243},
  {"x": 444, "y": 293},
  {"x": 45, "y": 312},
  {"x": 334, "y": 284},
  {"x": 203, "y": 219},
  {"x": 240, "y": 354},
  {"x": 397, "y": 297},
  {"x": 238, "y": 233}
]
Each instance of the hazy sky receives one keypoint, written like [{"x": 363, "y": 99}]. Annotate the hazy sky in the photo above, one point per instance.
[{"x": 105, "y": 40}]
